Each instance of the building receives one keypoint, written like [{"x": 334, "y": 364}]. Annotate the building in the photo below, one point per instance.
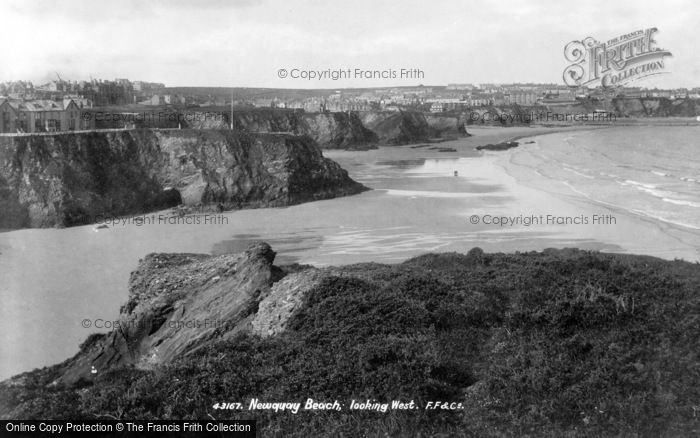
[
  {"x": 161, "y": 99},
  {"x": 467, "y": 87},
  {"x": 41, "y": 116},
  {"x": 8, "y": 117},
  {"x": 437, "y": 107},
  {"x": 520, "y": 98}
]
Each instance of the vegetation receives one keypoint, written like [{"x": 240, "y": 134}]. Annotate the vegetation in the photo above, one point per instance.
[{"x": 561, "y": 343}]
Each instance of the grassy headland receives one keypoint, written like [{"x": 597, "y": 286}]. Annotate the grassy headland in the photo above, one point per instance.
[{"x": 557, "y": 343}]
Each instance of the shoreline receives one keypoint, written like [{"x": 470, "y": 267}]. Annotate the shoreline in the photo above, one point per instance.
[
  {"x": 546, "y": 130},
  {"x": 662, "y": 230}
]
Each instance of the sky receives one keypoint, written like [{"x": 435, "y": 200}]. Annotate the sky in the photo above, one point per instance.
[{"x": 245, "y": 43}]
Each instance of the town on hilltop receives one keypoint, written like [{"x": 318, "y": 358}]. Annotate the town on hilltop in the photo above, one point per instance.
[{"x": 56, "y": 106}]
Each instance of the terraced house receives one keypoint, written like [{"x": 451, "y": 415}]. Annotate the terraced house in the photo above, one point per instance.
[{"x": 18, "y": 116}]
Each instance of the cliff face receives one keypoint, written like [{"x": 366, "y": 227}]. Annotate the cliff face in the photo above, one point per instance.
[
  {"x": 656, "y": 107},
  {"x": 341, "y": 130},
  {"x": 179, "y": 303},
  {"x": 398, "y": 127},
  {"x": 69, "y": 179},
  {"x": 633, "y": 107},
  {"x": 331, "y": 130},
  {"x": 448, "y": 125},
  {"x": 620, "y": 107}
]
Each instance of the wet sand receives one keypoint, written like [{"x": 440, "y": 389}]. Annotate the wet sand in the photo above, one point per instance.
[{"x": 633, "y": 232}]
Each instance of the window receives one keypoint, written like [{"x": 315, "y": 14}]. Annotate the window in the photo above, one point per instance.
[{"x": 6, "y": 121}]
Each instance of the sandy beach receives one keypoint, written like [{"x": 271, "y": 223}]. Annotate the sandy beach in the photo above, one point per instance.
[{"x": 633, "y": 231}]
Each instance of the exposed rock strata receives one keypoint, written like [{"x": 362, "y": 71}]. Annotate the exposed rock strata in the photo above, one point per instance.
[
  {"x": 399, "y": 127},
  {"x": 331, "y": 130},
  {"x": 179, "y": 303},
  {"x": 77, "y": 178}
]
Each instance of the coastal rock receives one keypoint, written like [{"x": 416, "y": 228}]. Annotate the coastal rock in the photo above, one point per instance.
[
  {"x": 331, "y": 130},
  {"x": 498, "y": 146},
  {"x": 352, "y": 130},
  {"x": 467, "y": 328},
  {"x": 448, "y": 126},
  {"x": 653, "y": 107},
  {"x": 338, "y": 130},
  {"x": 398, "y": 127},
  {"x": 178, "y": 303},
  {"x": 78, "y": 178},
  {"x": 285, "y": 297}
]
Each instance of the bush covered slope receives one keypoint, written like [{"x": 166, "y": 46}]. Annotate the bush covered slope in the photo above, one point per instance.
[{"x": 558, "y": 343}]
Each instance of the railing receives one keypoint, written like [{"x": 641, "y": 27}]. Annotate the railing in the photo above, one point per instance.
[{"x": 82, "y": 131}]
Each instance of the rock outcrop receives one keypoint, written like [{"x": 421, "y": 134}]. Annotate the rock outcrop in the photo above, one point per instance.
[
  {"x": 340, "y": 130},
  {"x": 337, "y": 130},
  {"x": 179, "y": 303},
  {"x": 655, "y": 107},
  {"x": 352, "y": 130},
  {"x": 620, "y": 107},
  {"x": 398, "y": 127},
  {"x": 498, "y": 146},
  {"x": 633, "y": 107},
  {"x": 77, "y": 178},
  {"x": 492, "y": 337},
  {"x": 448, "y": 126}
]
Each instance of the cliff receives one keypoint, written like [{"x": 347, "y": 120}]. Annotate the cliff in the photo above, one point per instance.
[
  {"x": 655, "y": 107},
  {"x": 75, "y": 178},
  {"x": 620, "y": 107},
  {"x": 331, "y": 130},
  {"x": 398, "y": 127},
  {"x": 559, "y": 343},
  {"x": 448, "y": 126},
  {"x": 180, "y": 303},
  {"x": 635, "y": 107},
  {"x": 348, "y": 130},
  {"x": 339, "y": 130}
]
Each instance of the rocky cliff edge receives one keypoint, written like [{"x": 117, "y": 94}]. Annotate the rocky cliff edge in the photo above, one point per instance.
[
  {"x": 179, "y": 303},
  {"x": 76, "y": 178}
]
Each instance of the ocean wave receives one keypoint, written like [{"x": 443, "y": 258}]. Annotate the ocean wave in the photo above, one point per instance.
[
  {"x": 648, "y": 188},
  {"x": 652, "y": 214},
  {"x": 432, "y": 194},
  {"x": 660, "y": 217},
  {"x": 682, "y": 202},
  {"x": 578, "y": 172},
  {"x": 640, "y": 184}
]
